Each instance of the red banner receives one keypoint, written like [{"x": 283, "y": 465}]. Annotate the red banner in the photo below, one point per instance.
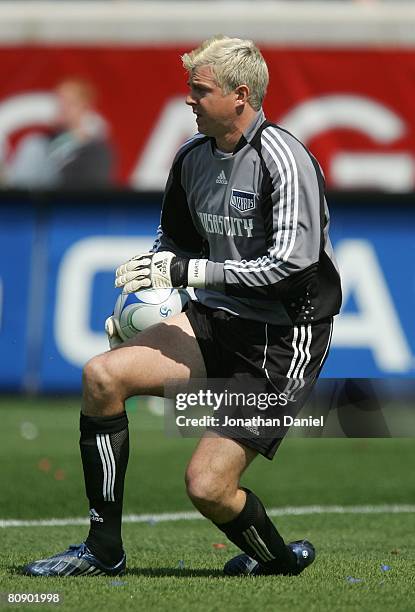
[{"x": 352, "y": 107}]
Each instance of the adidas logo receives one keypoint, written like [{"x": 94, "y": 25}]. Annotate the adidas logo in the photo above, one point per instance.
[
  {"x": 221, "y": 178},
  {"x": 94, "y": 516},
  {"x": 253, "y": 429},
  {"x": 161, "y": 266}
]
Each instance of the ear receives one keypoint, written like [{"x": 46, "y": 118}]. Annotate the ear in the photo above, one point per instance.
[{"x": 241, "y": 95}]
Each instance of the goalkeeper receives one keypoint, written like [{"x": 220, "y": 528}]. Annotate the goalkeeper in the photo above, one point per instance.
[{"x": 244, "y": 221}]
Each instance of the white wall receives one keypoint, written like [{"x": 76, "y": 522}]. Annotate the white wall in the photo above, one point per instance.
[{"x": 300, "y": 22}]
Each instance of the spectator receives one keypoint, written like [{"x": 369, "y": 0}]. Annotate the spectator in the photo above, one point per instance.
[{"x": 76, "y": 154}]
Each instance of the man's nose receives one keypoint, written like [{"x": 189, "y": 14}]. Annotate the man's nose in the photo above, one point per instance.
[{"x": 190, "y": 100}]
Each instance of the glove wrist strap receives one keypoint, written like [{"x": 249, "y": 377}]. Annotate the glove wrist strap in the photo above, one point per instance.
[{"x": 196, "y": 274}]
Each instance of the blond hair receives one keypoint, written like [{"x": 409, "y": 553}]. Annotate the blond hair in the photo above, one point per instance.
[{"x": 234, "y": 62}]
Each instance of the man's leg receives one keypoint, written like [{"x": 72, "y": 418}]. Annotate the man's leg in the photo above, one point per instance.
[
  {"x": 212, "y": 480},
  {"x": 140, "y": 366}
]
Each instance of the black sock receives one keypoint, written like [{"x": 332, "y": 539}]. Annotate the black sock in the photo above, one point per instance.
[
  {"x": 104, "y": 447},
  {"x": 256, "y": 535}
]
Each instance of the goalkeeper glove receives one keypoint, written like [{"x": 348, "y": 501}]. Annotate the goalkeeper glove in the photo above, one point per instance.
[
  {"x": 160, "y": 271},
  {"x": 112, "y": 332}
]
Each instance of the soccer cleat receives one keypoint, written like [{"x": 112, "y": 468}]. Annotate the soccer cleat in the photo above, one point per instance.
[
  {"x": 77, "y": 560},
  {"x": 244, "y": 565},
  {"x": 305, "y": 553}
]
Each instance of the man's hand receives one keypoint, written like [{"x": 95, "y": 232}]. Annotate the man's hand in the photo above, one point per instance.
[
  {"x": 160, "y": 271},
  {"x": 112, "y": 332}
]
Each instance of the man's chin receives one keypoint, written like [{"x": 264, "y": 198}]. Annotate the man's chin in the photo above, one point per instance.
[{"x": 202, "y": 130}]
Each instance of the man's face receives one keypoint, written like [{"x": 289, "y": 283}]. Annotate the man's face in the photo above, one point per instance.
[
  {"x": 215, "y": 112},
  {"x": 72, "y": 105}
]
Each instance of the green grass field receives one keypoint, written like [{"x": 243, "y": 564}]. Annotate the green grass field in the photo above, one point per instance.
[{"x": 366, "y": 561}]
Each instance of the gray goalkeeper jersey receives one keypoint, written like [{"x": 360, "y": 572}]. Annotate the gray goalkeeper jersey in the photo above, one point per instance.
[{"x": 260, "y": 217}]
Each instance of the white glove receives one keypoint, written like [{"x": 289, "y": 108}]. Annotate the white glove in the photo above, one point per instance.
[
  {"x": 112, "y": 331},
  {"x": 160, "y": 271}
]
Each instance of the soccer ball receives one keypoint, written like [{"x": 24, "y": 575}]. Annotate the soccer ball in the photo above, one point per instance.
[{"x": 136, "y": 311}]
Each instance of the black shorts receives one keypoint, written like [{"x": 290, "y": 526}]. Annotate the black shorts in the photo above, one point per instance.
[{"x": 233, "y": 347}]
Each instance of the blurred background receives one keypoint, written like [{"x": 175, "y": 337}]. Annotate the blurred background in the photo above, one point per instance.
[{"x": 91, "y": 113}]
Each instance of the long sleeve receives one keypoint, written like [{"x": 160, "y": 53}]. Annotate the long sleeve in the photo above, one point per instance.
[{"x": 176, "y": 232}]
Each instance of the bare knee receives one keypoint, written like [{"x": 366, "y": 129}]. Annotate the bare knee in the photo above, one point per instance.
[
  {"x": 99, "y": 383},
  {"x": 209, "y": 493}
]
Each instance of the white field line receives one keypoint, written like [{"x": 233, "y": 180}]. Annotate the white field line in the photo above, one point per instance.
[{"x": 167, "y": 517}]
